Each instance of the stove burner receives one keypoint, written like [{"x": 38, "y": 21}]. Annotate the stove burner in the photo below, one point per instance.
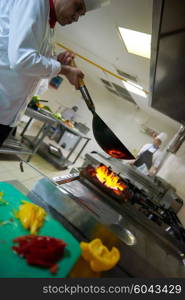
[{"x": 108, "y": 181}]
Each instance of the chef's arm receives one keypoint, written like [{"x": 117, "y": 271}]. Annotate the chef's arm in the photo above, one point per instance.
[
  {"x": 132, "y": 161},
  {"x": 27, "y": 29}
]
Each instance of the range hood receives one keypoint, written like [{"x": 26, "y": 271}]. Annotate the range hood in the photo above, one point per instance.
[{"x": 167, "y": 75}]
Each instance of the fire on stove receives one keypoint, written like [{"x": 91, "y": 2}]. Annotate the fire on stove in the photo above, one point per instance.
[
  {"x": 107, "y": 180},
  {"x": 110, "y": 179}
]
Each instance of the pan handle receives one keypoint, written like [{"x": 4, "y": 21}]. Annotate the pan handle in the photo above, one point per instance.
[
  {"x": 87, "y": 98},
  {"x": 85, "y": 93}
]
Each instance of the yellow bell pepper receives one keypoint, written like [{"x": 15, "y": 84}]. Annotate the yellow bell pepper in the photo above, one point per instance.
[
  {"x": 40, "y": 105},
  {"x": 31, "y": 216},
  {"x": 98, "y": 255}
]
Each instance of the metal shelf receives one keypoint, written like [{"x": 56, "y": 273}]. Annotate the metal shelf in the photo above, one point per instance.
[
  {"x": 37, "y": 142},
  {"x": 14, "y": 146}
]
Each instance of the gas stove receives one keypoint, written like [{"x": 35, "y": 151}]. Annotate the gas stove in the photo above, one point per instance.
[
  {"x": 118, "y": 191},
  {"x": 147, "y": 234}
]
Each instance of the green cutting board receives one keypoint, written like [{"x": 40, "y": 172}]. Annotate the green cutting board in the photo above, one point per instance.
[{"x": 12, "y": 265}]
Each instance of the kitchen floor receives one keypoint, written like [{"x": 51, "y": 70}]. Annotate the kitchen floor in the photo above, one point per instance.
[{"x": 10, "y": 169}]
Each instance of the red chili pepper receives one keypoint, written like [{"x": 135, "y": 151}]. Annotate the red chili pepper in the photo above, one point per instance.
[{"x": 42, "y": 251}]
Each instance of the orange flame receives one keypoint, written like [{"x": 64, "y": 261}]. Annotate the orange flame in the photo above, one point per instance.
[
  {"x": 110, "y": 179},
  {"x": 116, "y": 153}
]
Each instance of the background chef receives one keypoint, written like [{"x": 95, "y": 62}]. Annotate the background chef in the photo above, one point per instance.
[{"x": 149, "y": 157}]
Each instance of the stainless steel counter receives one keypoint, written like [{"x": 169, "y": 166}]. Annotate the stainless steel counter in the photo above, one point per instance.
[
  {"x": 150, "y": 257},
  {"x": 49, "y": 119}
]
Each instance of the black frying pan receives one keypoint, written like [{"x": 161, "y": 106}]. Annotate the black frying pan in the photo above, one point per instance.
[{"x": 104, "y": 136}]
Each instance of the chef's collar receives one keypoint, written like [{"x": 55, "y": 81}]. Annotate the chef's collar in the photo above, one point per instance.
[{"x": 52, "y": 16}]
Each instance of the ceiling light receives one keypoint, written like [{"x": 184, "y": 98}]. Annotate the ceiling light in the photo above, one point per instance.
[
  {"x": 136, "y": 42},
  {"x": 134, "y": 88}
]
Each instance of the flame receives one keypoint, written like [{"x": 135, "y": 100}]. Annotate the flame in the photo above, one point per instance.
[
  {"x": 110, "y": 179},
  {"x": 116, "y": 153}
]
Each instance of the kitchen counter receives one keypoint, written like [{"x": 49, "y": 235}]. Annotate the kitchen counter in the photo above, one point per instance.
[
  {"x": 47, "y": 117},
  {"x": 116, "y": 272}
]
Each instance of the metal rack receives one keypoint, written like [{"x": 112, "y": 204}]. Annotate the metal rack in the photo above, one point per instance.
[
  {"x": 13, "y": 146},
  {"x": 38, "y": 145}
]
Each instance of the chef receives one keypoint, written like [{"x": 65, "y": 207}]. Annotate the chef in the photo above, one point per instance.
[
  {"x": 70, "y": 113},
  {"x": 149, "y": 157},
  {"x": 27, "y": 54}
]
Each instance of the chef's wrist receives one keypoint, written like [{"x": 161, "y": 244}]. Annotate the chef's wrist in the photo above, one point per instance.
[{"x": 64, "y": 70}]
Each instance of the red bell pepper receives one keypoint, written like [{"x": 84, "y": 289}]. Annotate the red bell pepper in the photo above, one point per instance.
[{"x": 41, "y": 251}]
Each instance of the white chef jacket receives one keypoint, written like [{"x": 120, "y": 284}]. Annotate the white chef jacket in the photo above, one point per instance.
[
  {"x": 149, "y": 147},
  {"x": 68, "y": 114},
  {"x": 25, "y": 54}
]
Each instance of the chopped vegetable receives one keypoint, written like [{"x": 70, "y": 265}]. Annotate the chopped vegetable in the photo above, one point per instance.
[
  {"x": 2, "y": 201},
  {"x": 98, "y": 255},
  {"x": 40, "y": 105},
  {"x": 31, "y": 216},
  {"x": 58, "y": 116},
  {"x": 35, "y": 99},
  {"x": 47, "y": 108},
  {"x": 41, "y": 251}
]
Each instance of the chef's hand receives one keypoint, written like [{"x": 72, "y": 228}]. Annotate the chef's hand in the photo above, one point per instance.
[
  {"x": 152, "y": 171},
  {"x": 66, "y": 57},
  {"x": 73, "y": 75},
  {"x": 131, "y": 162}
]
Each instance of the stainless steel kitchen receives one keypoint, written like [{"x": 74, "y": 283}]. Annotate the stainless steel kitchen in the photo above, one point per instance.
[{"x": 97, "y": 192}]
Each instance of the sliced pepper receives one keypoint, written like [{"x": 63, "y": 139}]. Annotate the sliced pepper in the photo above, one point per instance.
[
  {"x": 31, "y": 216},
  {"x": 40, "y": 251},
  {"x": 98, "y": 255}
]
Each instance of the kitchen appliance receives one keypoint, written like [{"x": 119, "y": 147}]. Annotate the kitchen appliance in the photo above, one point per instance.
[
  {"x": 56, "y": 151},
  {"x": 104, "y": 136},
  {"x": 177, "y": 140},
  {"x": 128, "y": 197},
  {"x": 167, "y": 70}
]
